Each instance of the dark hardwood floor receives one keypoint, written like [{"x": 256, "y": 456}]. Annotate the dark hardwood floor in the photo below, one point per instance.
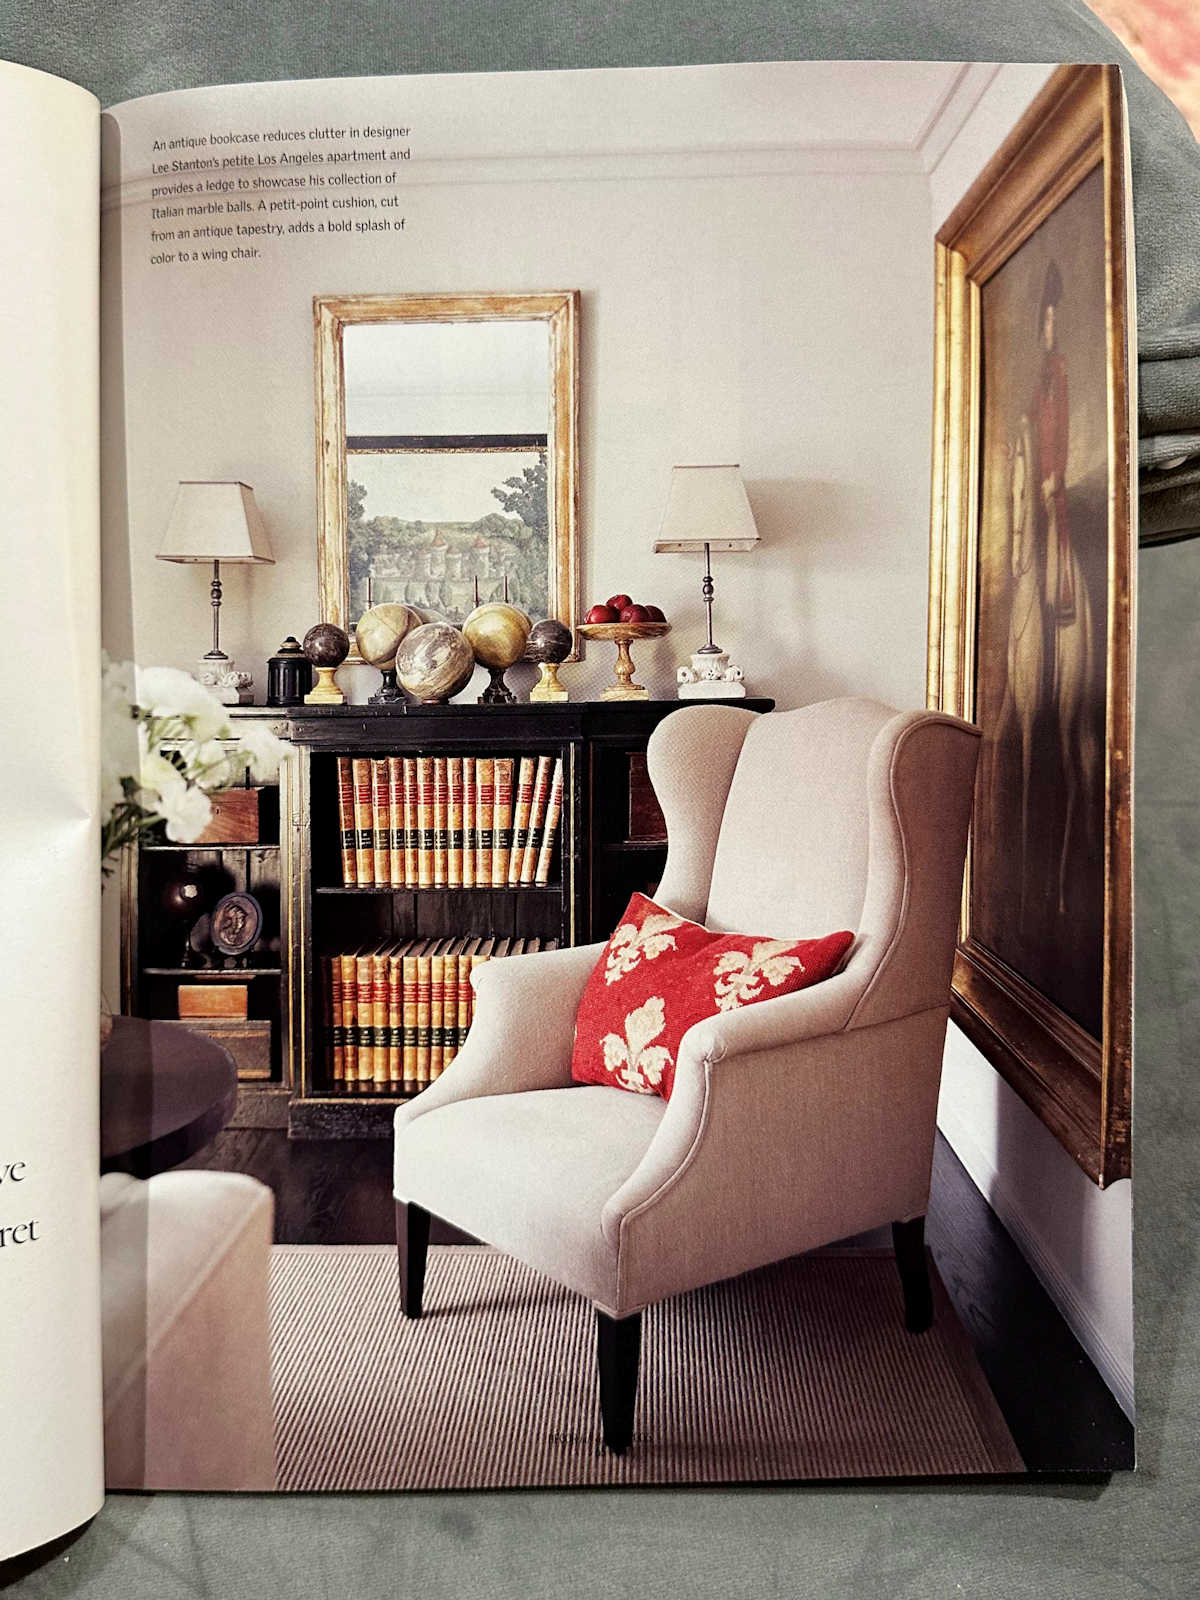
[{"x": 1060, "y": 1413}]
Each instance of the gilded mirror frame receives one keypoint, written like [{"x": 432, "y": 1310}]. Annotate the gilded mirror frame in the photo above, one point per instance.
[
  {"x": 333, "y": 313},
  {"x": 1078, "y": 1083}
]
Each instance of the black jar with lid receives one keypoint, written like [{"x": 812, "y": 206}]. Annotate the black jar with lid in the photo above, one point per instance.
[{"x": 289, "y": 675}]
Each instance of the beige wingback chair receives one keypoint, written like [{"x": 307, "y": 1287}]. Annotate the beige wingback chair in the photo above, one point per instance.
[{"x": 794, "y": 1122}]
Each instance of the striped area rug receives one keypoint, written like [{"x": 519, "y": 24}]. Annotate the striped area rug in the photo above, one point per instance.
[{"x": 799, "y": 1371}]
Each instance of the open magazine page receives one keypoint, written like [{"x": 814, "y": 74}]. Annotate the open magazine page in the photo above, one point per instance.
[
  {"x": 533, "y": 466},
  {"x": 50, "y": 1478}
]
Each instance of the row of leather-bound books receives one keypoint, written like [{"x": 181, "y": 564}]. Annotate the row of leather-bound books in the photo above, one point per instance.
[
  {"x": 448, "y": 822},
  {"x": 396, "y": 1015}
]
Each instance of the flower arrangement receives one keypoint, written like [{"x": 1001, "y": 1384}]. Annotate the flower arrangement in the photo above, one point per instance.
[{"x": 165, "y": 748}]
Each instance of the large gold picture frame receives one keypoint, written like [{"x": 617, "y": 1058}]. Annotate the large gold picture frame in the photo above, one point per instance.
[
  {"x": 334, "y": 313},
  {"x": 1031, "y": 601}
]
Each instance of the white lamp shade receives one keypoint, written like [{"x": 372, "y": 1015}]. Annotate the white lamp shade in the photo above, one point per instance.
[
  {"x": 707, "y": 505},
  {"x": 215, "y": 522}
]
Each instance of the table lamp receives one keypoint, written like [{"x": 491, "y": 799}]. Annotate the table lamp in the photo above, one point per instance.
[
  {"x": 707, "y": 509},
  {"x": 218, "y": 522}
]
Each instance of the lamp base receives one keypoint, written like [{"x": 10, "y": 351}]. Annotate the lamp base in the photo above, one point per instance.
[
  {"x": 712, "y": 691},
  {"x": 219, "y": 674},
  {"x": 711, "y": 676}
]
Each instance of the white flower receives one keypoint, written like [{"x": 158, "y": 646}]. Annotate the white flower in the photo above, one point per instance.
[
  {"x": 187, "y": 810},
  {"x": 167, "y": 692},
  {"x": 263, "y": 751}
]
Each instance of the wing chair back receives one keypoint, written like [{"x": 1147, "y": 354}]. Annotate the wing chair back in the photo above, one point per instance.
[{"x": 845, "y": 814}]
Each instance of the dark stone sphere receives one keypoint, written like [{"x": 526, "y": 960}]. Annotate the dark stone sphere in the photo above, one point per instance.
[
  {"x": 549, "y": 641},
  {"x": 326, "y": 645}
]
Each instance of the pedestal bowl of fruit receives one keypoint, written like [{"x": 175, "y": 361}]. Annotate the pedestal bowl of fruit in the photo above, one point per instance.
[{"x": 622, "y": 621}]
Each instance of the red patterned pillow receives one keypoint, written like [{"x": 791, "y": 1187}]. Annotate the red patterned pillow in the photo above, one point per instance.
[{"x": 660, "y": 973}]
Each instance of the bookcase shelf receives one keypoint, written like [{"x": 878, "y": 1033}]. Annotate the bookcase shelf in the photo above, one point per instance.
[{"x": 601, "y": 857}]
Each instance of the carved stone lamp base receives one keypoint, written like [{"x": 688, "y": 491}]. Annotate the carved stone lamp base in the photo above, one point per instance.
[{"x": 711, "y": 676}]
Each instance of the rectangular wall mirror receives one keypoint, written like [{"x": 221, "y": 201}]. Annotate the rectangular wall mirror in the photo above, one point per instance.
[{"x": 447, "y": 452}]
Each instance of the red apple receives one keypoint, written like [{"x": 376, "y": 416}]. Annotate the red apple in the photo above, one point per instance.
[
  {"x": 635, "y": 614},
  {"x": 618, "y": 602},
  {"x": 603, "y": 614},
  {"x": 654, "y": 614}
]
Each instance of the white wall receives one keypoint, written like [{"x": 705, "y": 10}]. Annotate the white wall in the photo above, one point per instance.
[
  {"x": 1077, "y": 1238},
  {"x": 734, "y": 309}
]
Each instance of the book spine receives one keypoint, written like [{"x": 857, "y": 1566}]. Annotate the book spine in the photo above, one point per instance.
[
  {"x": 412, "y": 837},
  {"x": 469, "y": 828},
  {"x": 537, "y": 817},
  {"x": 379, "y": 1021},
  {"x": 364, "y": 827},
  {"x": 465, "y": 995},
  {"x": 333, "y": 979},
  {"x": 425, "y": 822},
  {"x": 454, "y": 855},
  {"x": 395, "y": 1024},
  {"x": 502, "y": 827},
  {"x": 366, "y": 1022},
  {"x": 550, "y": 830},
  {"x": 437, "y": 1012},
  {"x": 485, "y": 800},
  {"x": 441, "y": 821},
  {"x": 346, "y": 820},
  {"x": 521, "y": 805},
  {"x": 423, "y": 1021},
  {"x": 399, "y": 836},
  {"x": 350, "y": 1016},
  {"x": 381, "y": 805},
  {"x": 449, "y": 1010},
  {"x": 409, "y": 1060}
]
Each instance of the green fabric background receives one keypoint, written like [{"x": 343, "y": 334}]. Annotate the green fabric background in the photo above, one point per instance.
[{"x": 1133, "y": 1537}]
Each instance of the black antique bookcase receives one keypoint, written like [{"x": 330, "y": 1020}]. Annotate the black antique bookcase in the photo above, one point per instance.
[{"x": 610, "y": 843}]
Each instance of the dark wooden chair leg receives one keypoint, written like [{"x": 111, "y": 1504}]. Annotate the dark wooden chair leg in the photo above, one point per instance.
[
  {"x": 909, "y": 1240},
  {"x": 618, "y": 1349},
  {"x": 412, "y": 1246}
]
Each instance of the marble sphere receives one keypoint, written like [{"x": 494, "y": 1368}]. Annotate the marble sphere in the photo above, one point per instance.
[
  {"x": 380, "y": 630},
  {"x": 434, "y": 662},
  {"x": 549, "y": 641},
  {"x": 326, "y": 645},
  {"x": 498, "y": 633}
]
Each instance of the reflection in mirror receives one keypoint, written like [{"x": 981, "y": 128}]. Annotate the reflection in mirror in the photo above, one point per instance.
[
  {"x": 447, "y": 453},
  {"x": 446, "y": 434}
]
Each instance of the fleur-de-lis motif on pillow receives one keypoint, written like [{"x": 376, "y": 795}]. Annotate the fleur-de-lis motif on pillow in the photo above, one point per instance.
[
  {"x": 630, "y": 944},
  {"x": 637, "y": 1063},
  {"x": 739, "y": 978}
]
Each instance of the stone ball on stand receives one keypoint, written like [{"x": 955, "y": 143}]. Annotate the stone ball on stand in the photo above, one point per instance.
[
  {"x": 379, "y": 632},
  {"x": 434, "y": 662},
  {"x": 326, "y": 645},
  {"x": 549, "y": 641},
  {"x": 498, "y": 634}
]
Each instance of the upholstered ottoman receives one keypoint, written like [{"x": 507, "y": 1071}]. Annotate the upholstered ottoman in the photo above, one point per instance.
[{"x": 187, "y": 1352}]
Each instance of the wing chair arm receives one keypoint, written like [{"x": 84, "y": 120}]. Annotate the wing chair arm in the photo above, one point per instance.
[
  {"x": 522, "y": 1031},
  {"x": 771, "y": 1076}
]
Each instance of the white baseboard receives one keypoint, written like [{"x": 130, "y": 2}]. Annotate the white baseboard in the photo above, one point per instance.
[{"x": 1057, "y": 1282}]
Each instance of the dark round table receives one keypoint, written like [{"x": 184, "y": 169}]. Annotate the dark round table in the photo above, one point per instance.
[{"x": 165, "y": 1092}]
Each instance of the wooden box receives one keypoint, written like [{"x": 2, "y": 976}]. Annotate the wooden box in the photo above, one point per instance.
[
  {"x": 247, "y": 1040},
  {"x": 647, "y": 825},
  {"x": 235, "y": 818},
  {"x": 214, "y": 1000}
]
